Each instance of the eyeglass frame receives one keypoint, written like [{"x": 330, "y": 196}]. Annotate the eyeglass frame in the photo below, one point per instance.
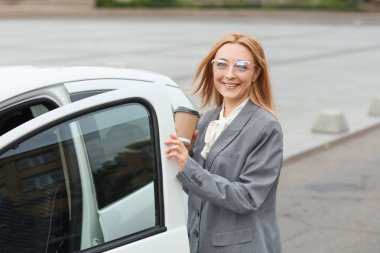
[{"x": 254, "y": 66}]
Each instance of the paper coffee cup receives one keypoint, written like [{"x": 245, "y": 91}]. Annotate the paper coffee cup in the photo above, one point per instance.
[{"x": 185, "y": 120}]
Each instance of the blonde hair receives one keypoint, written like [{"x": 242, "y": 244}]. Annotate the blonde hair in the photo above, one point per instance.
[{"x": 261, "y": 91}]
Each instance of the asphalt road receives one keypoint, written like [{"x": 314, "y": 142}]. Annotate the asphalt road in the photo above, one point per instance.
[{"x": 329, "y": 199}]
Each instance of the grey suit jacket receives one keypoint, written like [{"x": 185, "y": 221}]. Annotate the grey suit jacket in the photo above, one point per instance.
[{"x": 232, "y": 194}]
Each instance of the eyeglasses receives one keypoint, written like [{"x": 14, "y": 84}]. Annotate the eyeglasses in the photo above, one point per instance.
[{"x": 239, "y": 66}]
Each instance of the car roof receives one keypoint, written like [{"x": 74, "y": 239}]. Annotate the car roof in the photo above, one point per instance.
[{"x": 16, "y": 80}]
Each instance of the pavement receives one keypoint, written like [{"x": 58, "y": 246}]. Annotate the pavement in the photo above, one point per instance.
[{"x": 328, "y": 197}]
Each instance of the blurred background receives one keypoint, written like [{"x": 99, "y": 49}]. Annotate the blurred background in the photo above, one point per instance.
[{"x": 324, "y": 58}]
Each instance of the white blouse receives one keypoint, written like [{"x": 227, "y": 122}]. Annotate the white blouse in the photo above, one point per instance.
[{"x": 216, "y": 127}]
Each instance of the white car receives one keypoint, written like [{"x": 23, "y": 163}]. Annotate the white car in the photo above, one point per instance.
[{"x": 83, "y": 164}]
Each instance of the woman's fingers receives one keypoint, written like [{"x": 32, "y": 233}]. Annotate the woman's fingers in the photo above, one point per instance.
[
  {"x": 174, "y": 136},
  {"x": 173, "y": 148},
  {"x": 173, "y": 142},
  {"x": 176, "y": 149}
]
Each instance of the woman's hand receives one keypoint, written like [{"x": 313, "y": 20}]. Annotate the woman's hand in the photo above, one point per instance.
[{"x": 177, "y": 150}]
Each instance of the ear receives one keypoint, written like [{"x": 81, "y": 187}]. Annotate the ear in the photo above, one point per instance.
[{"x": 256, "y": 74}]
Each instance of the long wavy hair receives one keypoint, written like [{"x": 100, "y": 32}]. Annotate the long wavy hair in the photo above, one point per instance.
[{"x": 261, "y": 90}]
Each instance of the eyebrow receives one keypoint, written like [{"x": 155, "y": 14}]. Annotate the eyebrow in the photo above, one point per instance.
[
  {"x": 234, "y": 61},
  {"x": 221, "y": 59}
]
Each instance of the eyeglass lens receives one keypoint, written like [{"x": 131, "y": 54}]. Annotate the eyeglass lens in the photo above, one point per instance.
[{"x": 240, "y": 66}]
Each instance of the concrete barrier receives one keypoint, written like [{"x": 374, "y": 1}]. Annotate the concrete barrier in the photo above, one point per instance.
[
  {"x": 330, "y": 122},
  {"x": 374, "y": 109}
]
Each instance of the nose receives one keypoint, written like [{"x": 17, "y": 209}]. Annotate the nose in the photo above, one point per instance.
[{"x": 230, "y": 72}]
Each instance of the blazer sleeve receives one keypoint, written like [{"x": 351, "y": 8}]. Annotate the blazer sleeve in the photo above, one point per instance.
[{"x": 258, "y": 176}]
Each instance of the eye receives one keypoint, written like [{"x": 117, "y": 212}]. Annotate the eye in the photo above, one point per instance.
[
  {"x": 242, "y": 65},
  {"x": 221, "y": 64}
]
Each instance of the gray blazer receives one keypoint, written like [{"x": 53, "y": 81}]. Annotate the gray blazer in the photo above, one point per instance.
[{"x": 232, "y": 194}]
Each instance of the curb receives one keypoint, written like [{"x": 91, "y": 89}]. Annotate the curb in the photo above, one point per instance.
[{"x": 330, "y": 144}]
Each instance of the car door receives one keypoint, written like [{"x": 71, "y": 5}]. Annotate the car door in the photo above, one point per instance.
[{"x": 92, "y": 176}]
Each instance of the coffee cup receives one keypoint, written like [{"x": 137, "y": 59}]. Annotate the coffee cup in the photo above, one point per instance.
[{"x": 185, "y": 120}]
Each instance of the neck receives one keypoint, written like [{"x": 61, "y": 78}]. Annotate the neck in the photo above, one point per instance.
[
  {"x": 229, "y": 106},
  {"x": 228, "y": 109}
]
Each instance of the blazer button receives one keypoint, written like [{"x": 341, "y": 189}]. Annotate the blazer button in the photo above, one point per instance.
[
  {"x": 198, "y": 213},
  {"x": 196, "y": 233}
]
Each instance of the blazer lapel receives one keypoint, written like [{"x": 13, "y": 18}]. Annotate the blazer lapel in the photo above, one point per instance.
[{"x": 230, "y": 133}]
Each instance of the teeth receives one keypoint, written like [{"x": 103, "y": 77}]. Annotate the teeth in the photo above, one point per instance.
[{"x": 230, "y": 85}]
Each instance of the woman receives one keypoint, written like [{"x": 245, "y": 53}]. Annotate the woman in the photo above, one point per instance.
[{"x": 231, "y": 178}]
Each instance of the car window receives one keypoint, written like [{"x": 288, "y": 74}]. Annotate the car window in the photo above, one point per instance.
[
  {"x": 17, "y": 115},
  {"x": 85, "y": 94},
  {"x": 45, "y": 185},
  {"x": 40, "y": 205}
]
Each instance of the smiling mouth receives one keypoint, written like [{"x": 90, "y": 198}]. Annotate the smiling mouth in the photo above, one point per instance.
[{"x": 231, "y": 85}]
